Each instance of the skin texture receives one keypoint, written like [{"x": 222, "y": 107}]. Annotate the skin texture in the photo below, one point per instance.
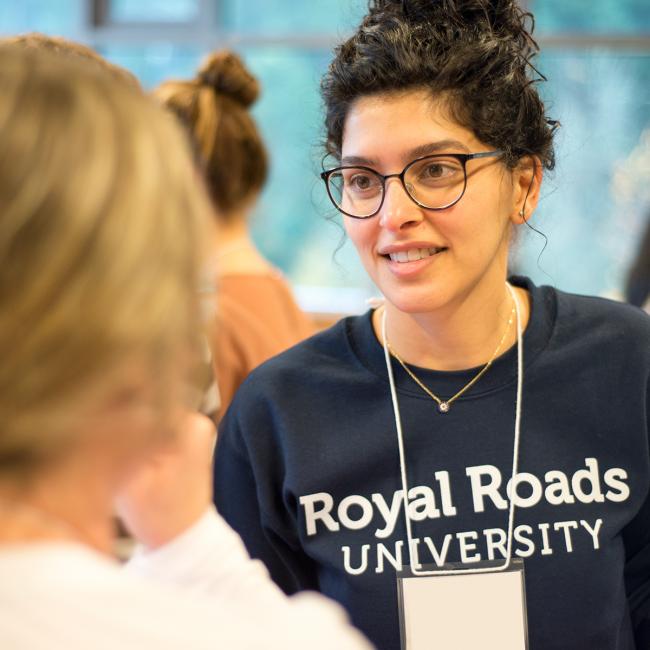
[
  {"x": 156, "y": 474},
  {"x": 172, "y": 488},
  {"x": 115, "y": 442},
  {"x": 433, "y": 305}
]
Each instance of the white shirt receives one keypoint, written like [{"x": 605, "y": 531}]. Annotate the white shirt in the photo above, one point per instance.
[{"x": 200, "y": 591}]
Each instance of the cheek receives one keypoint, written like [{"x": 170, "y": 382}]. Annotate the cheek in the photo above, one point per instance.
[
  {"x": 362, "y": 233},
  {"x": 133, "y": 428},
  {"x": 476, "y": 227}
]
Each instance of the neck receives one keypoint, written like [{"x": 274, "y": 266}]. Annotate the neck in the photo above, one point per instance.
[
  {"x": 235, "y": 251},
  {"x": 458, "y": 336},
  {"x": 63, "y": 504}
]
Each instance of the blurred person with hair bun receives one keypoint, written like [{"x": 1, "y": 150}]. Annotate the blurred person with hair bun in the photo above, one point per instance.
[
  {"x": 256, "y": 314},
  {"x": 102, "y": 225}
]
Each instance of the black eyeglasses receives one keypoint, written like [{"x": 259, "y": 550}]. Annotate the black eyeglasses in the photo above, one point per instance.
[{"x": 434, "y": 182}]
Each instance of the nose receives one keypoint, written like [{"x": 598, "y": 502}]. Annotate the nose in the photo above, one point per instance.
[{"x": 398, "y": 210}]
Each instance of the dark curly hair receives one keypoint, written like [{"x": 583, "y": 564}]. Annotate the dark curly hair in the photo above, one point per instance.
[{"x": 475, "y": 53}]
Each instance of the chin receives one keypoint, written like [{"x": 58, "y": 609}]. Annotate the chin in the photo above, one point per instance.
[{"x": 416, "y": 302}]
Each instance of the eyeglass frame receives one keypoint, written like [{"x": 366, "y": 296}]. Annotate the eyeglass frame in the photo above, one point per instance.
[{"x": 461, "y": 157}]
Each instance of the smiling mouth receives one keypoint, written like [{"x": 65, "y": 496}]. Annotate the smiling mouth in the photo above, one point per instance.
[{"x": 413, "y": 254}]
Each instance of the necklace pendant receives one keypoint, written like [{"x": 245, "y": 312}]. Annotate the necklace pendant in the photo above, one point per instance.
[{"x": 443, "y": 407}]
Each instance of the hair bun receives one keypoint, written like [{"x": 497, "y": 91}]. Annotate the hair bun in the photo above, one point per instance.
[
  {"x": 485, "y": 19},
  {"x": 410, "y": 9},
  {"x": 226, "y": 73}
]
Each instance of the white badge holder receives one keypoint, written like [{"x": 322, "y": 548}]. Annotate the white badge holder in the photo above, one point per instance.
[{"x": 464, "y": 610}]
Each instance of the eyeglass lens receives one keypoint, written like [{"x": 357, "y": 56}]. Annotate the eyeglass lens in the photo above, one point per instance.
[{"x": 432, "y": 182}]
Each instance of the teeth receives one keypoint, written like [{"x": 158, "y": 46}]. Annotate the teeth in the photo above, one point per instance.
[{"x": 413, "y": 254}]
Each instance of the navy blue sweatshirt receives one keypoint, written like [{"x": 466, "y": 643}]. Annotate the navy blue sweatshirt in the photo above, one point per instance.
[{"x": 307, "y": 471}]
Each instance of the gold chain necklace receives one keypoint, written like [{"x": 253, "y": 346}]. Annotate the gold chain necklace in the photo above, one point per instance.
[{"x": 445, "y": 404}]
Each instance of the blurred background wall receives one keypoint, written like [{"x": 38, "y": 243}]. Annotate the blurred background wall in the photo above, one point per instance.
[{"x": 596, "y": 54}]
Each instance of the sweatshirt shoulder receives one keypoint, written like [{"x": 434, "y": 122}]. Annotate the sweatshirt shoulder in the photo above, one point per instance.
[
  {"x": 609, "y": 328},
  {"x": 593, "y": 311}
]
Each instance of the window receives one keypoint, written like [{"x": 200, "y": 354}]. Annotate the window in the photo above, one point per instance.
[
  {"x": 596, "y": 56},
  {"x": 146, "y": 11}
]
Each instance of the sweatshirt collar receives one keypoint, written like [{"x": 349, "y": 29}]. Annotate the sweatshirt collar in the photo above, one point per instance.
[{"x": 502, "y": 373}]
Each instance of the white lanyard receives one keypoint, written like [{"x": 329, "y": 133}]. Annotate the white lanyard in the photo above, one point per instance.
[{"x": 515, "y": 453}]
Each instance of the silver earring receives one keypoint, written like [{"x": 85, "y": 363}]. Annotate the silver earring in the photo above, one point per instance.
[{"x": 522, "y": 213}]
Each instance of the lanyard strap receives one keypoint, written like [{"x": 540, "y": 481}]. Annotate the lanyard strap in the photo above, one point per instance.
[{"x": 515, "y": 453}]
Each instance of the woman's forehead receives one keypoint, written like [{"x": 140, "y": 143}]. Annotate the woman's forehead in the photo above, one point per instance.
[{"x": 402, "y": 126}]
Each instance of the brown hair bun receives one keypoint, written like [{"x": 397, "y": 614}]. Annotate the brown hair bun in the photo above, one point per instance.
[
  {"x": 213, "y": 107},
  {"x": 226, "y": 73}
]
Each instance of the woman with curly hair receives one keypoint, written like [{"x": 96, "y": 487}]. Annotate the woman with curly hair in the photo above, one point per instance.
[{"x": 474, "y": 422}]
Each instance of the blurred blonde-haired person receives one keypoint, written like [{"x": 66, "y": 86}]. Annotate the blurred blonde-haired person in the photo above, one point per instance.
[
  {"x": 257, "y": 316},
  {"x": 206, "y": 395},
  {"x": 101, "y": 224}
]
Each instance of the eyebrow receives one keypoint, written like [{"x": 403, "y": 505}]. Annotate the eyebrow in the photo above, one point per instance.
[{"x": 448, "y": 146}]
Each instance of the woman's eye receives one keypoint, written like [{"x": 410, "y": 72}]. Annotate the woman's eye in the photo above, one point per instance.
[
  {"x": 437, "y": 170},
  {"x": 360, "y": 182}
]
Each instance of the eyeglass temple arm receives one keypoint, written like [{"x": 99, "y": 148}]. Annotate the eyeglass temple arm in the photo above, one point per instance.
[{"x": 485, "y": 154}]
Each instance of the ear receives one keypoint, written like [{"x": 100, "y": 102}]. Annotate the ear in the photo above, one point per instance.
[{"x": 527, "y": 181}]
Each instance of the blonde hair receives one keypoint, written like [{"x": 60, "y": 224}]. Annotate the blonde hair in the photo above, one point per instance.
[
  {"x": 101, "y": 220},
  {"x": 214, "y": 108},
  {"x": 62, "y": 47}
]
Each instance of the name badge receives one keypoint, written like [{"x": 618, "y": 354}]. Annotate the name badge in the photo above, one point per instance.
[{"x": 463, "y": 610}]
